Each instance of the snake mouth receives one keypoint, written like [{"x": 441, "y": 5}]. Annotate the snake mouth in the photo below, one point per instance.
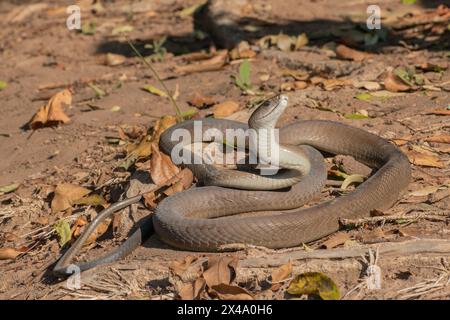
[{"x": 273, "y": 104}]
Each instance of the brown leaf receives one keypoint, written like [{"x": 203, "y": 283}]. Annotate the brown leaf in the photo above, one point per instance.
[
  {"x": 143, "y": 149},
  {"x": 162, "y": 125},
  {"x": 192, "y": 291},
  {"x": 8, "y": 253},
  {"x": 112, "y": 59},
  {"x": 335, "y": 240},
  {"x": 52, "y": 113},
  {"x": 225, "y": 109},
  {"x": 220, "y": 270},
  {"x": 439, "y": 139},
  {"x": 402, "y": 140},
  {"x": 300, "y": 84},
  {"x": 426, "y": 160},
  {"x": 65, "y": 196},
  {"x": 78, "y": 226},
  {"x": 81, "y": 222},
  {"x": 92, "y": 200},
  {"x": 280, "y": 274},
  {"x": 200, "y": 101},
  {"x": 344, "y": 52},
  {"x": 211, "y": 64},
  {"x": 242, "y": 51},
  {"x": 394, "y": 84},
  {"x": 99, "y": 231},
  {"x": 440, "y": 112},
  {"x": 150, "y": 200},
  {"x": 178, "y": 267},
  {"x": 229, "y": 292},
  {"x": 330, "y": 84},
  {"x": 161, "y": 166}
]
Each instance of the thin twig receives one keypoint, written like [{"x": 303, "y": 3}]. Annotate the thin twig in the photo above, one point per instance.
[{"x": 149, "y": 65}]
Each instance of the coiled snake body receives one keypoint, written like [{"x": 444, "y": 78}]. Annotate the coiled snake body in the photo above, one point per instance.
[{"x": 201, "y": 218}]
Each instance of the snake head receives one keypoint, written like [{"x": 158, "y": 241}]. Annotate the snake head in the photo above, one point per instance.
[{"x": 268, "y": 112}]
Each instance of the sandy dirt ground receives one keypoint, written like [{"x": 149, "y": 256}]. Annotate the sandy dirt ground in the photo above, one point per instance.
[{"x": 395, "y": 84}]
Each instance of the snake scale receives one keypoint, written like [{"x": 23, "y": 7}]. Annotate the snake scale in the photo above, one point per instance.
[{"x": 204, "y": 218}]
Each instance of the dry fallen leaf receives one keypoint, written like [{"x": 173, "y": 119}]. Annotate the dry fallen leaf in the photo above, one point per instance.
[
  {"x": 8, "y": 253},
  {"x": 214, "y": 63},
  {"x": 280, "y": 274},
  {"x": 440, "y": 112},
  {"x": 143, "y": 148},
  {"x": 112, "y": 59},
  {"x": 200, "y": 101},
  {"x": 65, "y": 196},
  {"x": 426, "y": 160},
  {"x": 225, "y": 109},
  {"x": 178, "y": 267},
  {"x": 439, "y": 139},
  {"x": 335, "y": 240},
  {"x": 161, "y": 166},
  {"x": 52, "y": 113},
  {"x": 344, "y": 52},
  {"x": 185, "y": 181},
  {"x": 220, "y": 270},
  {"x": 394, "y": 84},
  {"x": 99, "y": 231},
  {"x": 229, "y": 292},
  {"x": 300, "y": 84},
  {"x": 192, "y": 291}
]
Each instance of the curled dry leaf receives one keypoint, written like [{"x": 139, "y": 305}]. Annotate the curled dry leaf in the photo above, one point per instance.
[
  {"x": 439, "y": 139},
  {"x": 99, "y": 231},
  {"x": 225, "y": 109},
  {"x": 8, "y": 253},
  {"x": 211, "y": 64},
  {"x": 52, "y": 113},
  {"x": 192, "y": 291},
  {"x": 79, "y": 225},
  {"x": 229, "y": 292},
  {"x": 143, "y": 149},
  {"x": 335, "y": 240},
  {"x": 314, "y": 283},
  {"x": 186, "y": 177},
  {"x": 178, "y": 267},
  {"x": 162, "y": 125},
  {"x": 161, "y": 166},
  {"x": 200, "y": 101},
  {"x": 220, "y": 270},
  {"x": 280, "y": 274},
  {"x": 344, "y": 52},
  {"x": 394, "y": 83},
  {"x": 440, "y": 112},
  {"x": 65, "y": 196},
  {"x": 242, "y": 51}
]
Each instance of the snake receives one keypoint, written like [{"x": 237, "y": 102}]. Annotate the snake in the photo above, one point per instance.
[{"x": 210, "y": 217}]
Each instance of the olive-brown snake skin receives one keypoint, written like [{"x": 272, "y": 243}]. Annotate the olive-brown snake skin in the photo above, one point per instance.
[{"x": 203, "y": 218}]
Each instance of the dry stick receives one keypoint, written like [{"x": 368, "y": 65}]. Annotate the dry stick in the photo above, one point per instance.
[
  {"x": 390, "y": 248},
  {"x": 148, "y": 64},
  {"x": 393, "y": 218}
]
